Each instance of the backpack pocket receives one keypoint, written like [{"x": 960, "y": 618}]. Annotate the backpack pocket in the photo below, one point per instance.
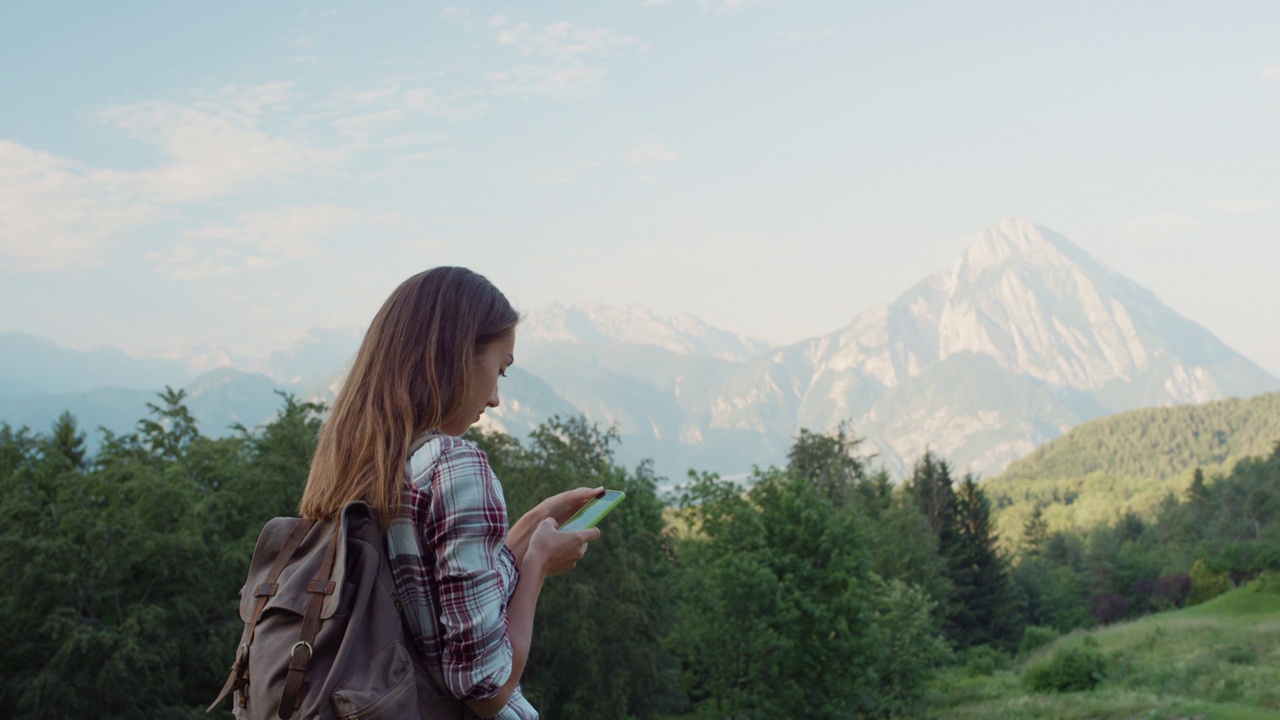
[{"x": 383, "y": 688}]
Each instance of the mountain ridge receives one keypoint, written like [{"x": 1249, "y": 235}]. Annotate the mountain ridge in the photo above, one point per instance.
[
  {"x": 1022, "y": 337},
  {"x": 1043, "y": 310}
]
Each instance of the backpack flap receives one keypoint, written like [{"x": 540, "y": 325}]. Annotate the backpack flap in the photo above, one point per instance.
[{"x": 290, "y": 591}]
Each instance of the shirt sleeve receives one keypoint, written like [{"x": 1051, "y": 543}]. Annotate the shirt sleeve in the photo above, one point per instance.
[{"x": 474, "y": 570}]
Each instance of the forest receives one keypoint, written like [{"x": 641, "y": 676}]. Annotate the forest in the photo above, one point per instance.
[{"x": 824, "y": 588}]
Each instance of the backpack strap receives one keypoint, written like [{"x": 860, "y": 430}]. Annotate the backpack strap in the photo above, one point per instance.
[
  {"x": 240, "y": 668},
  {"x": 302, "y": 651}
]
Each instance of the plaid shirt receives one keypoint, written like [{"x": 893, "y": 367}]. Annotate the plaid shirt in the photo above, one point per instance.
[{"x": 454, "y": 571}]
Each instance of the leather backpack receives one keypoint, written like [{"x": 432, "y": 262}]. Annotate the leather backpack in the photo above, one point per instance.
[{"x": 323, "y": 637}]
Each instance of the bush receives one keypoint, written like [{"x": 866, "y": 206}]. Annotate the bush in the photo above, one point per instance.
[
  {"x": 984, "y": 660},
  {"x": 1172, "y": 589},
  {"x": 1206, "y": 584},
  {"x": 1035, "y": 637},
  {"x": 1108, "y": 607},
  {"x": 1070, "y": 670},
  {"x": 1268, "y": 581}
]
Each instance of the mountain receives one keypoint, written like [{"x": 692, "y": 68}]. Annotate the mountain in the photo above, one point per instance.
[
  {"x": 627, "y": 368},
  {"x": 311, "y": 359},
  {"x": 594, "y": 324},
  {"x": 1024, "y": 337},
  {"x": 31, "y": 365},
  {"x": 218, "y": 400}
]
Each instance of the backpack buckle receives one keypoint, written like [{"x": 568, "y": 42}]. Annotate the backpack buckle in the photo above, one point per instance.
[{"x": 311, "y": 651}]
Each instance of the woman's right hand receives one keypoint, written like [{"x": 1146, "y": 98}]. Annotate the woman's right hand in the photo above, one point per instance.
[{"x": 558, "y": 552}]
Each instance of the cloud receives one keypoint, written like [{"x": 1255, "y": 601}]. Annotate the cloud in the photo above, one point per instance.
[
  {"x": 560, "y": 173},
  {"x": 255, "y": 241},
  {"x": 57, "y": 214},
  {"x": 531, "y": 80},
  {"x": 215, "y": 145},
  {"x": 727, "y": 7},
  {"x": 558, "y": 59},
  {"x": 454, "y": 107},
  {"x": 1270, "y": 73},
  {"x": 1157, "y": 229},
  {"x": 805, "y": 35},
  {"x": 1242, "y": 206},
  {"x": 368, "y": 116},
  {"x": 653, "y": 154}
]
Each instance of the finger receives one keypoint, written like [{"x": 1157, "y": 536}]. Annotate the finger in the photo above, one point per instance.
[{"x": 584, "y": 494}]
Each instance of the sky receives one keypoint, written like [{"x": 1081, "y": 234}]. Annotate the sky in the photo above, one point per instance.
[{"x": 232, "y": 174}]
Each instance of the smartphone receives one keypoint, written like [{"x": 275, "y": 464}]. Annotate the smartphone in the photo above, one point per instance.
[{"x": 595, "y": 509}]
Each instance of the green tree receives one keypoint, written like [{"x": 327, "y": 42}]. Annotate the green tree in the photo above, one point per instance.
[
  {"x": 829, "y": 462},
  {"x": 1035, "y": 532},
  {"x": 68, "y": 440},
  {"x": 776, "y": 612},
  {"x": 984, "y": 608},
  {"x": 911, "y": 647},
  {"x": 118, "y": 565}
]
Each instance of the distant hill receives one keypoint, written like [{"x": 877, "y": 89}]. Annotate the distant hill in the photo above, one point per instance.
[
  {"x": 1131, "y": 461},
  {"x": 217, "y": 400},
  {"x": 31, "y": 365}
]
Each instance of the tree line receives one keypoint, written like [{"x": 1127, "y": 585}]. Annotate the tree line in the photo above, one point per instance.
[{"x": 822, "y": 588}]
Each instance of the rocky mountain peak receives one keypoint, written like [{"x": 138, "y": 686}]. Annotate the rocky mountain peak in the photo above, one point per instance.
[
  {"x": 1013, "y": 241},
  {"x": 591, "y": 323}
]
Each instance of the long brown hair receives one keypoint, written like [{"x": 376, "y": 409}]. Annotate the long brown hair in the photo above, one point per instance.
[{"x": 411, "y": 373}]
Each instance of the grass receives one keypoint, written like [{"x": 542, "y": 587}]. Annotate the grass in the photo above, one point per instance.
[{"x": 1220, "y": 659}]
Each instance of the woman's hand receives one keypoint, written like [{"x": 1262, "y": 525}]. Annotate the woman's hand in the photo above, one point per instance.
[
  {"x": 555, "y": 552},
  {"x": 559, "y": 507},
  {"x": 546, "y": 551},
  {"x": 563, "y": 505}
]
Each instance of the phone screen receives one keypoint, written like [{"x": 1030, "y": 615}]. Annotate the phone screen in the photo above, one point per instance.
[{"x": 594, "y": 510}]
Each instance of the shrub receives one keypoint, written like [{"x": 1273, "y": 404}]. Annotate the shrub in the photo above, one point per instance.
[
  {"x": 1070, "y": 670},
  {"x": 1173, "y": 589},
  {"x": 1268, "y": 581},
  {"x": 984, "y": 660},
  {"x": 1206, "y": 584},
  {"x": 1108, "y": 607},
  {"x": 1035, "y": 637}
]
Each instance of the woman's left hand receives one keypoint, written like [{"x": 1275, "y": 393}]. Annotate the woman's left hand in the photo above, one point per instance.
[
  {"x": 559, "y": 507},
  {"x": 563, "y": 505}
]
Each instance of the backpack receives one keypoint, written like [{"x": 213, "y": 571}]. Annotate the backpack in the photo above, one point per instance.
[{"x": 323, "y": 637}]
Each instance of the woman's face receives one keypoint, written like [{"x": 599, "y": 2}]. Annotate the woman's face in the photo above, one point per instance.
[{"x": 491, "y": 363}]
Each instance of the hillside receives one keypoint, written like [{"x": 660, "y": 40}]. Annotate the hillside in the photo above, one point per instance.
[
  {"x": 1220, "y": 659},
  {"x": 1131, "y": 461}
]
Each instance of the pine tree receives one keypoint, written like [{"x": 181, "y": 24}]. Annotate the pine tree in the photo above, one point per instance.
[
  {"x": 984, "y": 609},
  {"x": 930, "y": 484},
  {"x": 828, "y": 462},
  {"x": 67, "y": 441},
  {"x": 1035, "y": 532}
]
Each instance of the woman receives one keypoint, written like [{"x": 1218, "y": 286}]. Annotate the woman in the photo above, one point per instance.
[{"x": 425, "y": 372}]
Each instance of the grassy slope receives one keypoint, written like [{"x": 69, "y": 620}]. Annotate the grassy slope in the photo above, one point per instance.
[
  {"x": 1130, "y": 462},
  {"x": 1216, "y": 660}
]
